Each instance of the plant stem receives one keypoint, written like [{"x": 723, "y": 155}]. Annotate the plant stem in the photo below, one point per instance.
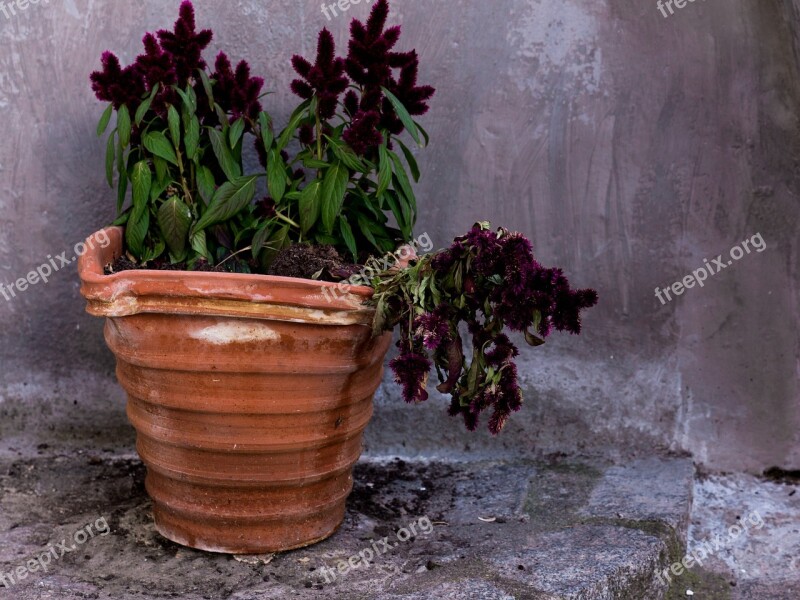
[
  {"x": 286, "y": 219},
  {"x": 184, "y": 184},
  {"x": 319, "y": 134},
  {"x": 234, "y": 255}
]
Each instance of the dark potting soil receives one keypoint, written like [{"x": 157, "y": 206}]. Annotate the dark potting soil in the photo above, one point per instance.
[{"x": 312, "y": 262}]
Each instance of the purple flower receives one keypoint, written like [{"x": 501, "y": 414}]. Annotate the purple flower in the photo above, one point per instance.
[
  {"x": 236, "y": 91},
  {"x": 433, "y": 328},
  {"x": 503, "y": 351},
  {"x": 184, "y": 45},
  {"x": 351, "y": 103},
  {"x": 362, "y": 135},
  {"x": 371, "y": 62},
  {"x": 411, "y": 371},
  {"x": 324, "y": 79},
  {"x": 117, "y": 85},
  {"x": 265, "y": 208},
  {"x": 170, "y": 58},
  {"x": 414, "y": 98},
  {"x": 155, "y": 65},
  {"x": 306, "y": 135}
]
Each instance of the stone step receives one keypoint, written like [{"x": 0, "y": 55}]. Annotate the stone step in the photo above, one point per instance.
[{"x": 561, "y": 529}]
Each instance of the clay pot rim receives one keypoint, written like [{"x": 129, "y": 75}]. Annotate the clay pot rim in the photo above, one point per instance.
[
  {"x": 92, "y": 270},
  {"x": 222, "y": 294}
]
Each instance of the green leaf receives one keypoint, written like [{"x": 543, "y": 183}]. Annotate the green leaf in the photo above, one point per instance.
[
  {"x": 162, "y": 168},
  {"x": 174, "y": 120},
  {"x": 192, "y": 138},
  {"x": 347, "y": 156},
  {"x": 141, "y": 112},
  {"x": 151, "y": 253},
  {"x": 334, "y": 188},
  {"x": 294, "y": 122},
  {"x": 348, "y": 237},
  {"x": 221, "y": 115},
  {"x": 363, "y": 224},
  {"x": 533, "y": 339},
  {"x": 323, "y": 239},
  {"x": 265, "y": 124},
  {"x": 236, "y": 131},
  {"x": 230, "y": 199},
  {"x": 189, "y": 99},
  {"x": 136, "y": 231},
  {"x": 207, "y": 86},
  {"x": 403, "y": 115},
  {"x": 200, "y": 245},
  {"x": 277, "y": 242},
  {"x": 401, "y": 178},
  {"x": 139, "y": 222},
  {"x": 384, "y": 171},
  {"x": 400, "y": 211},
  {"x": 174, "y": 220},
  {"x": 104, "y": 120},
  {"x": 424, "y": 133},
  {"x": 122, "y": 219},
  {"x": 158, "y": 144},
  {"x": 410, "y": 159},
  {"x": 111, "y": 155},
  {"x": 310, "y": 205},
  {"x": 310, "y": 162},
  {"x": 276, "y": 175},
  {"x": 124, "y": 126},
  {"x": 226, "y": 161},
  {"x": 163, "y": 178},
  {"x": 260, "y": 239},
  {"x": 142, "y": 179},
  {"x": 122, "y": 188},
  {"x": 205, "y": 183}
]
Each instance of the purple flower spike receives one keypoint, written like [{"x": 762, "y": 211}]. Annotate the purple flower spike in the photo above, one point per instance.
[
  {"x": 363, "y": 135},
  {"x": 411, "y": 372},
  {"x": 236, "y": 91},
  {"x": 324, "y": 79},
  {"x": 117, "y": 85},
  {"x": 184, "y": 45}
]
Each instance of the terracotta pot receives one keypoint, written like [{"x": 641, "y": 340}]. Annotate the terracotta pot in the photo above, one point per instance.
[{"x": 249, "y": 395}]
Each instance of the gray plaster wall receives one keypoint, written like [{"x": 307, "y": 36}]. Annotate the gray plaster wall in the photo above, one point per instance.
[{"x": 629, "y": 146}]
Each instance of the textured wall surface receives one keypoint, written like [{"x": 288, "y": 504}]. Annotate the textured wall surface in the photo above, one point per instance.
[{"x": 629, "y": 146}]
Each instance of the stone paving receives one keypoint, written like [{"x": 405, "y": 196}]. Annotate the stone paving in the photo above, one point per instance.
[
  {"x": 483, "y": 530},
  {"x": 564, "y": 528}
]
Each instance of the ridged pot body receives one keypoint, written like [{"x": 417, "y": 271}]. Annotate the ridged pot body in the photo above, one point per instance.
[{"x": 249, "y": 395}]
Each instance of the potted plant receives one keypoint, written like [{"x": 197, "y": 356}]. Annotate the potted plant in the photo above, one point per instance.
[{"x": 250, "y": 328}]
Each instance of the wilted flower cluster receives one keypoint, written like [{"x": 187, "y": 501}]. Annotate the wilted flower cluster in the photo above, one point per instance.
[
  {"x": 490, "y": 281},
  {"x": 370, "y": 66},
  {"x": 172, "y": 59}
]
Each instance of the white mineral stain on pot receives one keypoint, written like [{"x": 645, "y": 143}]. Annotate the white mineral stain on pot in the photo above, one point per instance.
[{"x": 223, "y": 334}]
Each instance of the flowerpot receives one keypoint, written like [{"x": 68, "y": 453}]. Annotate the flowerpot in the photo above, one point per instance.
[{"x": 249, "y": 395}]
